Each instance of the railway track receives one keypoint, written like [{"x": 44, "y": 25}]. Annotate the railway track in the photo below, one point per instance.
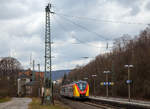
[
  {"x": 89, "y": 104},
  {"x": 101, "y": 104},
  {"x": 105, "y": 105},
  {"x": 98, "y": 105}
]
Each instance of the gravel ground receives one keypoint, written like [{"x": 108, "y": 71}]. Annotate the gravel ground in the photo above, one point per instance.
[
  {"x": 16, "y": 103},
  {"x": 77, "y": 105}
]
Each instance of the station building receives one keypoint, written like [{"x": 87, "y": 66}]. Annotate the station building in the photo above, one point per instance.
[{"x": 30, "y": 83}]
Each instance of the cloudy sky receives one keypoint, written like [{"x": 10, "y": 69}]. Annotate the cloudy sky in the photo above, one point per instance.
[{"x": 80, "y": 28}]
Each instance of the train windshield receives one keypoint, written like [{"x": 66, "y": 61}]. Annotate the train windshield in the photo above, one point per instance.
[{"x": 82, "y": 85}]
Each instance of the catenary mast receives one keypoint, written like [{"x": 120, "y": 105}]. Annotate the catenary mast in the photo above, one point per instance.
[{"x": 48, "y": 95}]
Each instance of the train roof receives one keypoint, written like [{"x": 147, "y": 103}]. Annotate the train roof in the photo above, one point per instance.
[
  {"x": 81, "y": 81},
  {"x": 74, "y": 82}
]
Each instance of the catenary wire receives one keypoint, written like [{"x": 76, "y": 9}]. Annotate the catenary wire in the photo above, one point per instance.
[
  {"x": 82, "y": 42},
  {"x": 98, "y": 35},
  {"x": 103, "y": 20}
]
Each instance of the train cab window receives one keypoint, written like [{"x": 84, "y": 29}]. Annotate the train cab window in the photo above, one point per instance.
[{"x": 82, "y": 85}]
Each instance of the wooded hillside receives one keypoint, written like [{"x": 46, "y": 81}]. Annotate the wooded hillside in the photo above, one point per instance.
[{"x": 126, "y": 50}]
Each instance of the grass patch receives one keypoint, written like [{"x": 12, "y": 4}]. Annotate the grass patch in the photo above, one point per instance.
[
  {"x": 36, "y": 104},
  {"x": 4, "y": 99}
]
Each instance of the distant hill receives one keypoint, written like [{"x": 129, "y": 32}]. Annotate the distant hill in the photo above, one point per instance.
[
  {"x": 59, "y": 74},
  {"x": 55, "y": 74}
]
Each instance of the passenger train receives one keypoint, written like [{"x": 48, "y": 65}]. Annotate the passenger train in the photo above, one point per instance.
[{"x": 78, "y": 89}]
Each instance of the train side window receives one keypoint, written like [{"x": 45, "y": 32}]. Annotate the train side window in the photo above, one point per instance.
[{"x": 66, "y": 89}]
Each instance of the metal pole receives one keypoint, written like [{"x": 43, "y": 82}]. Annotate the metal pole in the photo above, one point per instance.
[
  {"x": 107, "y": 84},
  {"x": 129, "y": 94},
  {"x": 113, "y": 78},
  {"x": 38, "y": 71},
  {"x": 38, "y": 67},
  {"x": 33, "y": 73},
  {"x": 30, "y": 61},
  {"x": 48, "y": 64},
  {"x": 33, "y": 64},
  {"x": 51, "y": 82},
  {"x": 94, "y": 84},
  {"x": 94, "y": 87}
]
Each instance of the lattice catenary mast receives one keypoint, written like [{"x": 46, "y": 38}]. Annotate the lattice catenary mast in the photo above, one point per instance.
[{"x": 48, "y": 64}]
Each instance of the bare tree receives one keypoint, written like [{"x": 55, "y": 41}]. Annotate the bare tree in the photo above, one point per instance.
[{"x": 9, "y": 69}]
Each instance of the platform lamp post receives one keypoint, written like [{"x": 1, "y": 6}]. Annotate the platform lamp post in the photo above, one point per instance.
[
  {"x": 94, "y": 83},
  {"x": 86, "y": 57},
  {"x": 8, "y": 78},
  {"x": 107, "y": 89},
  {"x": 129, "y": 81}
]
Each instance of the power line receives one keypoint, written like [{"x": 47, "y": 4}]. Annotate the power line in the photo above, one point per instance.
[
  {"x": 72, "y": 35},
  {"x": 98, "y": 35},
  {"x": 82, "y": 42},
  {"x": 104, "y": 20}
]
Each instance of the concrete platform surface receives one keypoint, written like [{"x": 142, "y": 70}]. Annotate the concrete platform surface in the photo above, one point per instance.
[{"x": 122, "y": 101}]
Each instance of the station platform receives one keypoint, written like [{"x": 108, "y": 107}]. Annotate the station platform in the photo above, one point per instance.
[{"x": 122, "y": 101}]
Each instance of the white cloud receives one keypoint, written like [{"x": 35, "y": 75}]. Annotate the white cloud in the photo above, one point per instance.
[{"x": 23, "y": 23}]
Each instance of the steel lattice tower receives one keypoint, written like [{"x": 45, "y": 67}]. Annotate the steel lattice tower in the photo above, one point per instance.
[{"x": 48, "y": 63}]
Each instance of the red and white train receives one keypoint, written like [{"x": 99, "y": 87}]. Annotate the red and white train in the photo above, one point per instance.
[{"x": 79, "y": 89}]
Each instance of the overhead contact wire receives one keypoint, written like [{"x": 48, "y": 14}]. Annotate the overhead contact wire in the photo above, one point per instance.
[{"x": 102, "y": 20}]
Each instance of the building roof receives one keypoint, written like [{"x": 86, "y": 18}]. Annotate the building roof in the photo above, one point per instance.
[
  {"x": 36, "y": 75},
  {"x": 23, "y": 76},
  {"x": 33, "y": 83}
]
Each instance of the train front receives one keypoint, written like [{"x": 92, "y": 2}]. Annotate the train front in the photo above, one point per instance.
[{"x": 81, "y": 90}]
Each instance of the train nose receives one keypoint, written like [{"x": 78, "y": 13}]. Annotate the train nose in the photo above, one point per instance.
[{"x": 82, "y": 95}]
